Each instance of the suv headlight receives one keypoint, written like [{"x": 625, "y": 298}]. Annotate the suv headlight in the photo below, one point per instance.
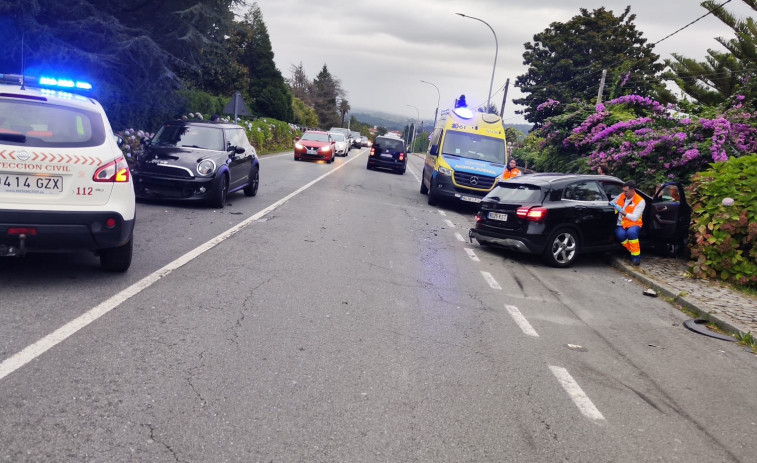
[
  {"x": 445, "y": 171},
  {"x": 206, "y": 167}
]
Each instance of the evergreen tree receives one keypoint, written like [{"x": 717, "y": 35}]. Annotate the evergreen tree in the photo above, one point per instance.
[
  {"x": 300, "y": 85},
  {"x": 722, "y": 75},
  {"x": 326, "y": 90},
  {"x": 268, "y": 91},
  {"x": 566, "y": 59}
]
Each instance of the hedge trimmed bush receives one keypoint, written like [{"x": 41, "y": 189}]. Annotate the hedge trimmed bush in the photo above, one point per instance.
[{"x": 724, "y": 222}]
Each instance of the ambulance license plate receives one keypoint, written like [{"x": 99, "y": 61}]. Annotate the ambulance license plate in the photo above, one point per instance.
[
  {"x": 31, "y": 184},
  {"x": 471, "y": 199}
]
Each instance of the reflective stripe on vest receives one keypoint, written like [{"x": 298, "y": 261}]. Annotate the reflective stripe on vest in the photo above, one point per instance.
[{"x": 629, "y": 209}]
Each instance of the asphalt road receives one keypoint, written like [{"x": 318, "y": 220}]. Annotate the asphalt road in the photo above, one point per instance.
[{"x": 345, "y": 320}]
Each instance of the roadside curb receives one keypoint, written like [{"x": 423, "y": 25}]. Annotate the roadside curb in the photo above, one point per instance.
[{"x": 694, "y": 306}]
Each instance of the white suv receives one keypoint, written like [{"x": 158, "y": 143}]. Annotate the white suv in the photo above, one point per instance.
[{"x": 64, "y": 183}]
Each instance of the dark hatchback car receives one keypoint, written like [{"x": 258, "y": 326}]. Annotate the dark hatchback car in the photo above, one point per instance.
[
  {"x": 388, "y": 152},
  {"x": 561, "y": 216},
  {"x": 196, "y": 161}
]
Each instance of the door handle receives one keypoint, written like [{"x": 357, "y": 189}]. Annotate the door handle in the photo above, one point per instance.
[{"x": 662, "y": 208}]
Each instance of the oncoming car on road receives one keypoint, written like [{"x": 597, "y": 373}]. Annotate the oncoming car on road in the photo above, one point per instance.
[
  {"x": 64, "y": 183},
  {"x": 315, "y": 145},
  {"x": 197, "y": 161}
]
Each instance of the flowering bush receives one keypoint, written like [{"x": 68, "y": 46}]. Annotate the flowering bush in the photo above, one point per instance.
[
  {"x": 644, "y": 140},
  {"x": 724, "y": 230}
]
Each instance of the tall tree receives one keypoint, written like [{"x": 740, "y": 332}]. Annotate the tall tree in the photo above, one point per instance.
[
  {"x": 566, "y": 59},
  {"x": 722, "y": 75},
  {"x": 268, "y": 90},
  {"x": 326, "y": 90},
  {"x": 300, "y": 85},
  {"x": 344, "y": 108}
]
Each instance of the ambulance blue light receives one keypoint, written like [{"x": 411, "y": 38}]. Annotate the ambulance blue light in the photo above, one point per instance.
[
  {"x": 64, "y": 83},
  {"x": 47, "y": 81},
  {"x": 84, "y": 85}
]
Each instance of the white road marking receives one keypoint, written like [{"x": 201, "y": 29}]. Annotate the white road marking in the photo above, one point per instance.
[
  {"x": 521, "y": 321},
  {"x": 490, "y": 279},
  {"x": 31, "y": 352},
  {"x": 449, "y": 223},
  {"x": 472, "y": 255},
  {"x": 459, "y": 237},
  {"x": 271, "y": 156},
  {"x": 576, "y": 393},
  {"x": 442, "y": 213}
]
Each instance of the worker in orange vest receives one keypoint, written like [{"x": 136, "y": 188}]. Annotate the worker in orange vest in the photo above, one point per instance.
[
  {"x": 512, "y": 170},
  {"x": 630, "y": 206}
]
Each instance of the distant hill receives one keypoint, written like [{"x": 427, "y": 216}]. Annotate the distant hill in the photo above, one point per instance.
[{"x": 398, "y": 122}]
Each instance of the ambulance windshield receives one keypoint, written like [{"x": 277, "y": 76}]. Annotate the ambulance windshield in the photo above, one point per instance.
[{"x": 473, "y": 146}]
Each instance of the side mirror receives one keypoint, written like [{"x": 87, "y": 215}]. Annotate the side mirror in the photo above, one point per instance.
[
  {"x": 119, "y": 140},
  {"x": 239, "y": 150}
]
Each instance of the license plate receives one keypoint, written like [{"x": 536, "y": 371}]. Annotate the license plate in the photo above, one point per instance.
[
  {"x": 385, "y": 155},
  {"x": 497, "y": 216},
  {"x": 31, "y": 184},
  {"x": 312, "y": 151},
  {"x": 471, "y": 199}
]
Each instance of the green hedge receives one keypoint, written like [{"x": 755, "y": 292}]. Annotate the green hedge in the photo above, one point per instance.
[{"x": 724, "y": 222}]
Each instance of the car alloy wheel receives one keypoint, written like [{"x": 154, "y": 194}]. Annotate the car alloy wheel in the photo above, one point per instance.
[
  {"x": 252, "y": 188},
  {"x": 562, "y": 248}
]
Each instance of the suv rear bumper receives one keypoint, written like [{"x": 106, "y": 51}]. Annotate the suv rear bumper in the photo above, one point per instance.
[
  {"x": 64, "y": 231},
  {"x": 513, "y": 243}
]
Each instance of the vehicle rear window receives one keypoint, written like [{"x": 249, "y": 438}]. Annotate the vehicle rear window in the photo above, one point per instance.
[
  {"x": 315, "y": 137},
  {"x": 516, "y": 192},
  {"x": 389, "y": 144},
  {"x": 28, "y": 123},
  {"x": 189, "y": 136}
]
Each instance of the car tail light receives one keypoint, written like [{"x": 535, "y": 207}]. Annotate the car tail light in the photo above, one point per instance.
[
  {"x": 402, "y": 156},
  {"x": 478, "y": 218},
  {"x": 22, "y": 231},
  {"x": 373, "y": 151},
  {"x": 116, "y": 171},
  {"x": 532, "y": 214}
]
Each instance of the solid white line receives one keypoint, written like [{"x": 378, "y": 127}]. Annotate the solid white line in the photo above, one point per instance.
[
  {"x": 472, "y": 255},
  {"x": 33, "y": 351},
  {"x": 521, "y": 321},
  {"x": 459, "y": 237},
  {"x": 490, "y": 279},
  {"x": 271, "y": 156},
  {"x": 449, "y": 223},
  {"x": 576, "y": 393},
  {"x": 442, "y": 213}
]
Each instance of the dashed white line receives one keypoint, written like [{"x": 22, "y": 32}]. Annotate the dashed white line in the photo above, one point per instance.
[
  {"x": 472, "y": 255},
  {"x": 459, "y": 237},
  {"x": 575, "y": 392},
  {"x": 449, "y": 223},
  {"x": 521, "y": 321},
  {"x": 490, "y": 279},
  {"x": 31, "y": 352}
]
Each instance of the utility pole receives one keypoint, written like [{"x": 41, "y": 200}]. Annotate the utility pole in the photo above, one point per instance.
[
  {"x": 504, "y": 98},
  {"x": 601, "y": 86}
]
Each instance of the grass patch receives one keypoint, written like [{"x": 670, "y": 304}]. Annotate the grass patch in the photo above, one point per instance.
[{"x": 747, "y": 340}]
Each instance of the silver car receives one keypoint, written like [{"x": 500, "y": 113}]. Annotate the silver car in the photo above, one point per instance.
[{"x": 340, "y": 143}]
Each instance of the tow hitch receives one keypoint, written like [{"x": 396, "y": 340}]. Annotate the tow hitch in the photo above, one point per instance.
[{"x": 13, "y": 251}]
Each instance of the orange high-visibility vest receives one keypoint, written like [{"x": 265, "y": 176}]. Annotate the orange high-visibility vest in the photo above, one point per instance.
[
  {"x": 508, "y": 174},
  {"x": 626, "y": 223}
]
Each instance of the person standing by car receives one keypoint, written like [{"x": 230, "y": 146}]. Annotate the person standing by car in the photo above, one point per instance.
[
  {"x": 630, "y": 206},
  {"x": 512, "y": 170},
  {"x": 603, "y": 169}
]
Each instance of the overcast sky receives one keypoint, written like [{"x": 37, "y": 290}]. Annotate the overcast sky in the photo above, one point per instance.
[{"x": 380, "y": 50}]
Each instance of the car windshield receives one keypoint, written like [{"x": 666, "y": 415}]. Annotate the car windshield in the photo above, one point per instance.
[
  {"x": 27, "y": 123},
  {"x": 472, "y": 146},
  {"x": 507, "y": 192},
  {"x": 312, "y": 136},
  {"x": 189, "y": 136},
  {"x": 337, "y": 136}
]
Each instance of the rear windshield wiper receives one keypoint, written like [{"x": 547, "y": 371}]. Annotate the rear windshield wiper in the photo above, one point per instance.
[{"x": 15, "y": 137}]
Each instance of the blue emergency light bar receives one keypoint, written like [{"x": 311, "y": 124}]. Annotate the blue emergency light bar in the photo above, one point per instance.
[{"x": 44, "y": 81}]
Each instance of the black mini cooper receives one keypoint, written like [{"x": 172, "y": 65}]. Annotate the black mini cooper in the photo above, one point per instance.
[
  {"x": 560, "y": 216},
  {"x": 196, "y": 161}
]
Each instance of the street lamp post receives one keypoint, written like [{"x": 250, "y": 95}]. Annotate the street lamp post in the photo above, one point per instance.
[
  {"x": 415, "y": 125},
  {"x": 438, "y": 97},
  {"x": 496, "y": 52}
]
